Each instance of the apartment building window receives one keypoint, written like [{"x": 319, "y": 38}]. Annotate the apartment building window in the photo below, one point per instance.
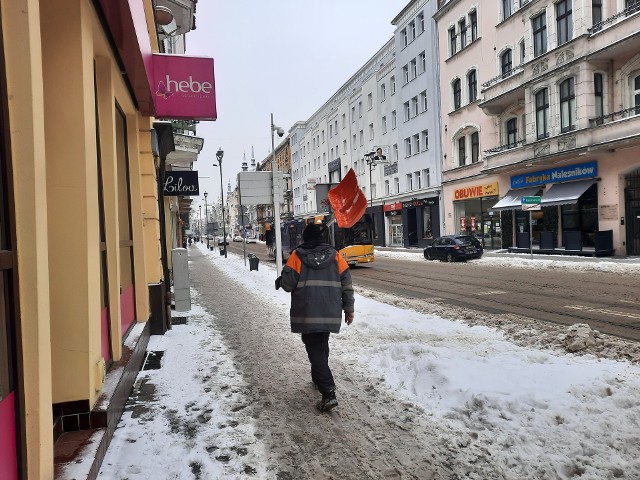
[
  {"x": 414, "y": 68},
  {"x": 344, "y": 120},
  {"x": 636, "y": 94},
  {"x": 567, "y": 106},
  {"x": 473, "y": 22},
  {"x": 425, "y": 139},
  {"x": 344, "y": 147},
  {"x": 359, "y": 109},
  {"x": 330, "y": 131},
  {"x": 392, "y": 85},
  {"x": 405, "y": 74},
  {"x": 472, "y": 83},
  {"x": 420, "y": 20},
  {"x": 332, "y": 153},
  {"x": 598, "y": 90},
  {"x": 322, "y": 136},
  {"x": 542, "y": 112},
  {"x": 407, "y": 147},
  {"x": 506, "y": 9},
  {"x": 522, "y": 52},
  {"x": 409, "y": 182},
  {"x": 407, "y": 112},
  {"x": 418, "y": 180},
  {"x": 462, "y": 26},
  {"x": 353, "y": 114},
  {"x": 416, "y": 105},
  {"x": 462, "y": 151},
  {"x": 512, "y": 132},
  {"x": 404, "y": 37},
  {"x": 540, "y": 34},
  {"x": 355, "y": 144},
  {"x": 396, "y": 153},
  {"x": 475, "y": 147},
  {"x": 425, "y": 178},
  {"x": 362, "y": 138},
  {"x": 396, "y": 185},
  {"x": 412, "y": 30},
  {"x": 564, "y": 21},
  {"x": 416, "y": 144},
  {"x": 596, "y": 11},
  {"x": 632, "y": 6},
  {"x": 506, "y": 63},
  {"x": 383, "y": 92},
  {"x": 370, "y": 101},
  {"x": 423, "y": 100},
  {"x": 452, "y": 40},
  {"x": 371, "y": 131},
  {"x": 423, "y": 62},
  {"x": 324, "y": 159},
  {"x": 335, "y": 125},
  {"x": 394, "y": 120},
  {"x": 387, "y": 188},
  {"x": 384, "y": 125},
  {"x": 457, "y": 101}
]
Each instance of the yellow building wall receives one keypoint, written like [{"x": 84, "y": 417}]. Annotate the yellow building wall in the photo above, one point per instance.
[{"x": 22, "y": 43}]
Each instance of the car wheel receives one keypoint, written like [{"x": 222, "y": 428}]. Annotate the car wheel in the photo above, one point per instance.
[
  {"x": 427, "y": 255},
  {"x": 450, "y": 257}
]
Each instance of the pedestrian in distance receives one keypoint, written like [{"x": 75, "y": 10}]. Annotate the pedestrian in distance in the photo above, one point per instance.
[{"x": 319, "y": 281}]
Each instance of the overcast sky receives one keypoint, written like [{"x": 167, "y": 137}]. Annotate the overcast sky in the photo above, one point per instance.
[{"x": 285, "y": 57}]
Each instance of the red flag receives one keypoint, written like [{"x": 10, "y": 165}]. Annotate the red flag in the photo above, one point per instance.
[{"x": 347, "y": 201}]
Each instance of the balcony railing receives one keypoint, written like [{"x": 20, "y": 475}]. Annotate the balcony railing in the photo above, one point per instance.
[
  {"x": 625, "y": 13},
  {"x": 629, "y": 112},
  {"x": 502, "y": 76},
  {"x": 502, "y": 148}
]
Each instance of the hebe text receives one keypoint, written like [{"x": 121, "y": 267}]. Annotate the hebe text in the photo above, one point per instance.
[{"x": 186, "y": 86}]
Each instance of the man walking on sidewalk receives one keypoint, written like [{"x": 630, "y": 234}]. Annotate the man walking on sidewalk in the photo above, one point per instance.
[{"x": 320, "y": 284}]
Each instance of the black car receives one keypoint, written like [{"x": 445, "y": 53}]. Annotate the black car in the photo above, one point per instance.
[{"x": 454, "y": 247}]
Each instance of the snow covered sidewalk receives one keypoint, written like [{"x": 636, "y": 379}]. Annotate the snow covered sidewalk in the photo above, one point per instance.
[{"x": 420, "y": 396}]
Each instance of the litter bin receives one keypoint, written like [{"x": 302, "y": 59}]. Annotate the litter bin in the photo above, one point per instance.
[{"x": 253, "y": 262}]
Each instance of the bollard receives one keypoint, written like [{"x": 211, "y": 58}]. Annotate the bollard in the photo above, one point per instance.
[
  {"x": 222, "y": 251},
  {"x": 253, "y": 262}
]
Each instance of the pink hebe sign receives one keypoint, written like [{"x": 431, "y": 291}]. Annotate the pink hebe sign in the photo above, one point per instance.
[{"x": 184, "y": 87}]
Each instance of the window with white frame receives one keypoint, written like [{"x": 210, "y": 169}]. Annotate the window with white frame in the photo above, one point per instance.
[
  {"x": 420, "y": 22},
  {"x": 522, "y": 52},
  {"x": 330, "y": 131},
  {"x": 462, "y": 28},
  {"x": 417, "y": 178},
  {"x": 407, "y": 147},
  {"x": 425, "y": 178},
  {"x": 506, "y": 63},
  {"x": 405, "y": 74},
  {"x": 344, "y": 120},
  {"x": 392, "y": 85},
  {"x": 344, "y": 147},
  {"x": 407, "y": 112},
  {"x": 396, "y": 185},
  {"x": 335, "y": 126},
  {"x": 383, "y": 92},
  {"x": 511, "y": 132},
  {"x": 412, "y": 30},
  {"x": 473, "y": 23},
  {"x": 395, "y": 152},
  {"x": 404, "y": 38},
  {"x": 371, "y": 131},
  {"x": 324, "y": 158},
  {"x": 384, "y": 125},
  {"x": 475, "y": 147},
  {"x": 423, "y": 101},
  {"x": 322, "y": 136},
  {"x": 409, "y": 177},
  {"x": 416, "y": 144},
  {"x": 370, "y": 101},
  {"x": 414, "y": 68},
  {"x": 387, "y": 188},
  {"x": 636, "y": 94},
  {"x": 353, "y": 114},
  {"x": 415, "y": 106},
  {"x": 425, "y": 139},
  {"x": 596, "y": 11},
  {"x": 564, "y": 21},
  {"x": 598, "y": 91},
  {"x": 355, "y": 143},
  {"x": 462, "y": 151},
  {"x": 542, "y": 113},
  {"x": 422, "y": 58},
  {"x": 360, "y": 109},
  {"x": 362, "y": 138},
  {"x": 506, "y": 9},
  {"x": 394, "y": 120}
]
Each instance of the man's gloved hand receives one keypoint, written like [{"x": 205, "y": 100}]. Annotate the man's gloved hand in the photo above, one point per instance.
[
  {"x": 348, "y": 317},
  {"x": 278, "y": 283}
]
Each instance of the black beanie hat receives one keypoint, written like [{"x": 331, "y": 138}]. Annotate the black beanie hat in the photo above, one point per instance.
[{"x": 312, "y": 233}]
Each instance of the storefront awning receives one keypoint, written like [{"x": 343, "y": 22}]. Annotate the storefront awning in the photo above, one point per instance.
[
  {"x": 513, "y": 198},
  {"x": 565, "y": 193}
]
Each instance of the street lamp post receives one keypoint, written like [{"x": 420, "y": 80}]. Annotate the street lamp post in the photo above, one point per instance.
[
  {"x": 200, "y": 222},
  {"x": 276, "y": 196},
  {"x": 206, "y": 218},
  {"x": 219, "y": 155},
  {"x": 372, "y": 159}
]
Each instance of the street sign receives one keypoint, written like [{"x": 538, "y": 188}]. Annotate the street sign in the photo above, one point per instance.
[{"x": 531, "y": 203}]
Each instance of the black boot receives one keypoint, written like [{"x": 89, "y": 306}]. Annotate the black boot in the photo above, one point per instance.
[{"x": 328, "y": 402}]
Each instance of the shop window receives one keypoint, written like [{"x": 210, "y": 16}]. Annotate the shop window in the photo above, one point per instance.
[
  {"x": 567, "y": 106},
  {"x": 582, "y": 216},
  {"x": 427, "y": 224},
  {"x": 540, "y": 34}
]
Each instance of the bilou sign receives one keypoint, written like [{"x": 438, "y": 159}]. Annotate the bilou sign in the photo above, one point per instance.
[{"x": 181, "y": 183}]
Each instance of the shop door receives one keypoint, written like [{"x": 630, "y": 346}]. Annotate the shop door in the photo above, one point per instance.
[
  {"x": 8, "y": 303},
  {"x": 632, "y": 207},
  {"x": 395, "y": 234}
]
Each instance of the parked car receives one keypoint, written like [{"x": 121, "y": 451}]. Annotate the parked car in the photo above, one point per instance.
[
  {"x": 221, "y": 241},
  {"x": 237, "y": 238},
  {"x": 251, "y": 240},
  {"x": 454, "y": 247}
]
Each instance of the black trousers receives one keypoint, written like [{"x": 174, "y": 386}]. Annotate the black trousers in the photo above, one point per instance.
[{"x": 317, "y": 345}]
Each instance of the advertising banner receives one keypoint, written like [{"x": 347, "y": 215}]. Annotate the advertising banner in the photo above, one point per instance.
[
  {"x": 555, "y": 175},
  {"x": 184, "y": 87}
]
